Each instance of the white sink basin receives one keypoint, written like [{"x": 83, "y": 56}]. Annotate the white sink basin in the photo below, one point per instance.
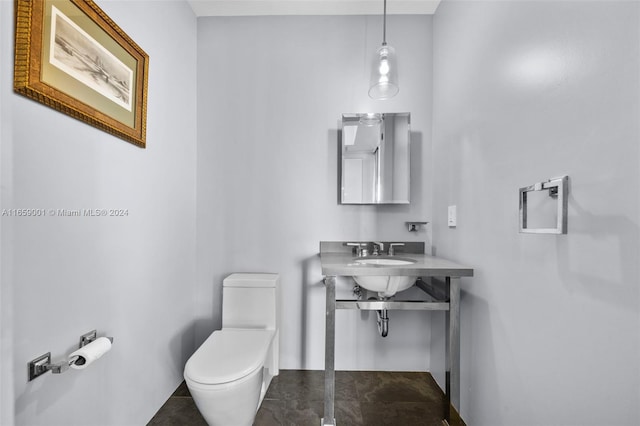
[{"x": 385, "y": 285}]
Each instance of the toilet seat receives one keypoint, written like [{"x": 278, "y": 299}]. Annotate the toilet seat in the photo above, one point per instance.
[{"x": 228, "y": 355}]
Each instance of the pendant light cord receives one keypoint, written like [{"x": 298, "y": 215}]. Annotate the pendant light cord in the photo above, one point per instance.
[{"x": 384, "y": 25}]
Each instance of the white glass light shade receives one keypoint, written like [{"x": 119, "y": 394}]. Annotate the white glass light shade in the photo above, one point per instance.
[
  {"x": 371, "y": 119},
  {"x": 384, "y": 74}
]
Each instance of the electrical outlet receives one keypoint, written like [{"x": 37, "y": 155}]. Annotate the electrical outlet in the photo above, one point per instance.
[{"x": 452, "y": 217}]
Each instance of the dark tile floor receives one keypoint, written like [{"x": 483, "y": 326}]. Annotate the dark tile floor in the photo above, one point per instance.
[{"x": 295, "y": 398}]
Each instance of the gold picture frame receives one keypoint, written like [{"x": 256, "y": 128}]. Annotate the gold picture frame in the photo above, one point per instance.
[{"x": 70, "y": 56}]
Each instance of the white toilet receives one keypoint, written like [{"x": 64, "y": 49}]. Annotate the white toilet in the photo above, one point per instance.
[{"x": 230, "y": 372}]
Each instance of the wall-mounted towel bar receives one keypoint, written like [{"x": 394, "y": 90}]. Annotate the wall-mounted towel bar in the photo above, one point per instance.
[{"x": 558, "y": 188}]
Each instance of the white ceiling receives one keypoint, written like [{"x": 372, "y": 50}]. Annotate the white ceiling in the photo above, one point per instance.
[{"x": 311, "y": 7}]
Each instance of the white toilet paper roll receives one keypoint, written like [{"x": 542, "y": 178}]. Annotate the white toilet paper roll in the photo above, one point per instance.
[{"x": 89, "y": 353}]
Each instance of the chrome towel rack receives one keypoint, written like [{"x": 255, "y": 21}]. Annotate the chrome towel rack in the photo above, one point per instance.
[{"x": 558, "y": 188}]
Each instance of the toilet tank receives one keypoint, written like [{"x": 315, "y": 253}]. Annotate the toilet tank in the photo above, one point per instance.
[{"x": 250, "y": 301}]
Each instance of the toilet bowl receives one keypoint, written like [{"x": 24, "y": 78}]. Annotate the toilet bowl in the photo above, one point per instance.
[{"x": 230, "y": 372}]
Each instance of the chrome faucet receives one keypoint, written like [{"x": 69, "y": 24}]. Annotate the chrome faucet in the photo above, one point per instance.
[{"x": 378, "y": 248}]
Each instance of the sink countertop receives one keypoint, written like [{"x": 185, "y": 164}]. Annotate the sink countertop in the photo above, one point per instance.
[{"x": 344, "y": 264}]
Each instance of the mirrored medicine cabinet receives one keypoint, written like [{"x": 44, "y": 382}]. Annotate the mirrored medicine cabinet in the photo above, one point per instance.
[{"x": 375, "y": 151}]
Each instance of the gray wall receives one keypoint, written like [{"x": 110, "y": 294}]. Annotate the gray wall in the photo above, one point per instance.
[
  {"x": 524, "y": 92},
  {"x": 271, "y": 92},
  {"x": 131, "y": 277}
]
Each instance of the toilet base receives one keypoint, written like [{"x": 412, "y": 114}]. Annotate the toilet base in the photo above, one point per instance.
[{"x": 233, "y": 404}]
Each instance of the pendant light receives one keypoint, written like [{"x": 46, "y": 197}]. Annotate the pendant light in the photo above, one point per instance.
[
  {"x": 371, "y": 119},
  {"x": 384, "y": 71}
]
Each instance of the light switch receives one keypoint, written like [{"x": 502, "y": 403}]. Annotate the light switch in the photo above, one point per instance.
[{"x": 452, "y": 217}]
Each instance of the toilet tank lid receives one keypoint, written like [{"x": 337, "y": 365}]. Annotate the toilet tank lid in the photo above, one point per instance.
[
  {"x": 228, "y": 355},
  {"x": 251, "y": 280}
]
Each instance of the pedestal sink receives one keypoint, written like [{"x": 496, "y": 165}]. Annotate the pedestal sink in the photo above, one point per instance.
[{"x": 385, "y": 285}]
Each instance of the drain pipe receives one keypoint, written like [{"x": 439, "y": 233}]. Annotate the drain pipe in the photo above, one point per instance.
[
  {"x": 383, "y": 315},
  {"x": 383, "y": 322},
  {"x": 383, "y": 318}
]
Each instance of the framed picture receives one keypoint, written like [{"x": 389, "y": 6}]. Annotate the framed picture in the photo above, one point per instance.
[{"x": 70, "y": 56}]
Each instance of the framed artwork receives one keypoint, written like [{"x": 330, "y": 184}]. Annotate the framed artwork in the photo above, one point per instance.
[{"x": 70, "y": 56}]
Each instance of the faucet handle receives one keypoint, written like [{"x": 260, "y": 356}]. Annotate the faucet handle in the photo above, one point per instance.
[
  {"x": 361, "y": 248},
  {"x": 392, "y": 248}
]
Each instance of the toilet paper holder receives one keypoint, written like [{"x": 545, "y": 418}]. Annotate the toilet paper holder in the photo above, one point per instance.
[{"x": 40, "y": 365}]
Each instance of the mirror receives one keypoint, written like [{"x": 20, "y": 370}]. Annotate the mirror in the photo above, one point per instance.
[{"x": 375, "y": 158}]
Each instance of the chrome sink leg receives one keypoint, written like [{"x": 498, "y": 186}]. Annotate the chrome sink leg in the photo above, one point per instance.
[
  {"x": 452, "y": 376},
  {"x": 329, "y": 353}
]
